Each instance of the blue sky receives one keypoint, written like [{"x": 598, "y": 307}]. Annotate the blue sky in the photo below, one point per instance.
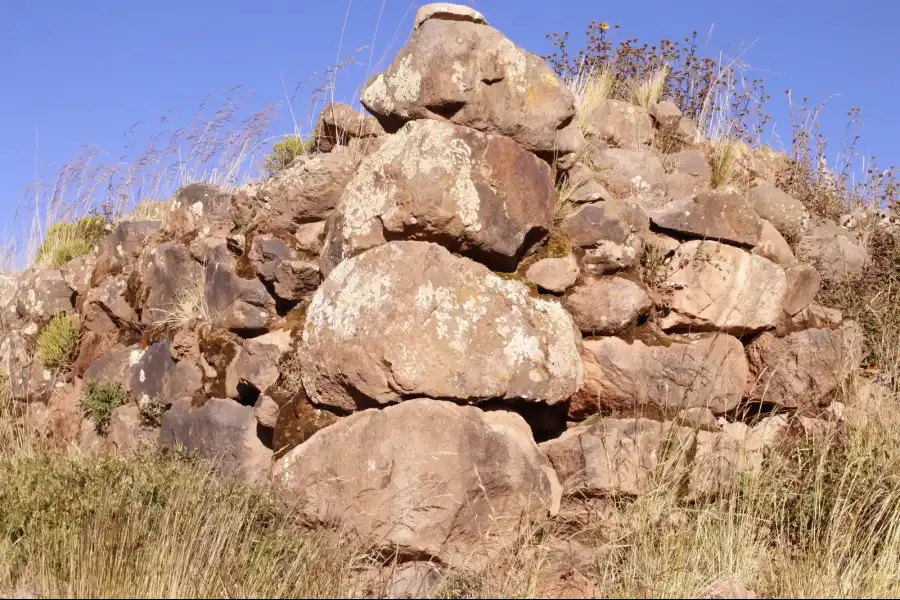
[{"x": 79, "y": 73}]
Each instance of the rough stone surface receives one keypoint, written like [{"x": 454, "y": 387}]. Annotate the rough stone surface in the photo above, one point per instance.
[
  {"x": 471, "y": 75},
  {"x": 611, "y": 234},
  {"x": 607, "y": 305},
  {"x": 478, "y": 194},
  {"x": 256, "y": 364},
  {"x": 618, "y": 456},
  {"x": 621, "y": 125},
  {"x": 719, "y": 287},
  {"x": 803, "y": 367},
  {"x": 803, "y": 283},
  {"x": 127, "y": 432},
  {"x": 236, "y": 300},
  {"x": 689, "y": 173},
  {"x": 311, "y": 237},
  {"x": 448, "y": 12},
  {"x": 339, "y": 123},
  {"x": 166, "y": 273},
  {"x": 636, "y": 174},
  {"x": 427, "y": 479},
  {"x": 719, "y": 216},
  {"x": 41, "y": 294},
  {"x": 290, "y": 278},
  {"x": 836, "y": 257},
  {"x": 554, "y": 274},
  {"x": 119, "y": 250},
  {"x": 659, "y": 381},
  {"x": 426, "y": 323},
  {"x": 106, "y": 310},
  {"x": 221, "y": 430},
  {"x": 773, "y": 246},
  {"x": 784, "y": 212},
  {"x": 306, "y": 191}
]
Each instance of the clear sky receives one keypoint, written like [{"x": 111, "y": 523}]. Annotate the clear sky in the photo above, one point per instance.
[{"x": 79, "y": 73}]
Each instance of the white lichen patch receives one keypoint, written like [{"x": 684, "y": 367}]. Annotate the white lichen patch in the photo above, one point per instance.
[
  {"x": 515, "y": 64},
  {"x": 405, "y": 81},
  {"x": 376, "y": 95},
  {"x": 459, "y": 76},
  {"x": 340, "y": 308},
  {"x": 197, "y": 209}
]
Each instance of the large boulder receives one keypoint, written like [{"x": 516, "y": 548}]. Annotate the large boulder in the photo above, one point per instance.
[
  {"x": 425, "y": 479},
  {"x": 619, "y": 456},
  {"x": 607, "y": 305},
  {"x": 471, "y": 74},
  {"x": 235, "y": 298},
  {"x": 688, "y": 174},
  {"x": 222, "y": 431},
  {"x": 410, "y": 319},
  {"x": 804, "y": 367},
  {"x": 659, "y": 381},
  {"x": 720, "y": 216},
  {"x": 714, "y": 286},
  {"x": 339, "y": 123},
  {"x": 478, "y": 194}
]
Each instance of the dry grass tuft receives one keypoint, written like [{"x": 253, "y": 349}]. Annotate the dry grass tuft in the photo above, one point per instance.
[
  {"x": 591, "y": 89},
  {"x": 189, "y": 308},
  {"x": 649, "y": 91}
]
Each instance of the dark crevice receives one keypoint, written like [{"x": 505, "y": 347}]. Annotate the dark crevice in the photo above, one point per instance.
[
  {"x": 684, "y": 236},
  {"x": 266, "y": 435},
  {"x": 753, "y": 411},
  {"x": 247, "y": 394},
  {"x": 446, "y": 110}
]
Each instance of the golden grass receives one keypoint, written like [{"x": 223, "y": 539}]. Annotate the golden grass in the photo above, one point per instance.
[
  {"x": 818, "y": 521},
  {"x": 591, "y": 89},
  {"x": 649, "y": 92},
  {"x": 189, "y": 308}
]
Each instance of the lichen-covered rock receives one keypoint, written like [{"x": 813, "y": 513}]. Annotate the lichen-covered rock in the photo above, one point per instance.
[
  {"x": 621, "y": 125},
  {"x": 120, "y": 249},
  {"x": 714, "y": 286},
  {"x": 42, "y": 293},
  {"x": 306, "y": 191},
  {"x": 478, "y": 194},
  {"x": 339, "y": 123},
  {"x": 659, "y": 381},
  {"x": 619, "y": 456},
  {"x": 611, "y": 234},
  {"x": 311, "y": 237},
  {"x": 198, "y": 210},
  {"x": 410, "y": 319},
  {"x": 607, "y": 305},
  {"x": 77, "y": 273},
  {"x": 472, "y": 75},
  {"x": 106, "y": 309},
  {"x": 154, "y": 378},
  {"x": 720, "y": 216},
  {"x": 803, "y": 367},
  {"x": 222, "y": 431},
  {"x": 425, "y": 478}
]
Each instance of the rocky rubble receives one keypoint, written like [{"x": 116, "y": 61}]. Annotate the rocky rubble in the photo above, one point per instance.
[{"x": 384, "y": 331}]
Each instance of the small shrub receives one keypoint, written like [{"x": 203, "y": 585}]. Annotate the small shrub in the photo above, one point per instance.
[
  {"x": 65, "y": 241},
  {"x": 152, "y": 413},
  {"x": 57, "y": 344},
  {"x": 101, "y": 398},
  {"x": 287, "y": 150}
]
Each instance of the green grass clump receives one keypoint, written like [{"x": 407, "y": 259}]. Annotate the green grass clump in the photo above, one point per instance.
[
  {"x": 100, "y": 399},
  {"x": 65, "y": 241},
  {"x": 287, "y": 150},
  {"x": 57, "y": 344}
]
